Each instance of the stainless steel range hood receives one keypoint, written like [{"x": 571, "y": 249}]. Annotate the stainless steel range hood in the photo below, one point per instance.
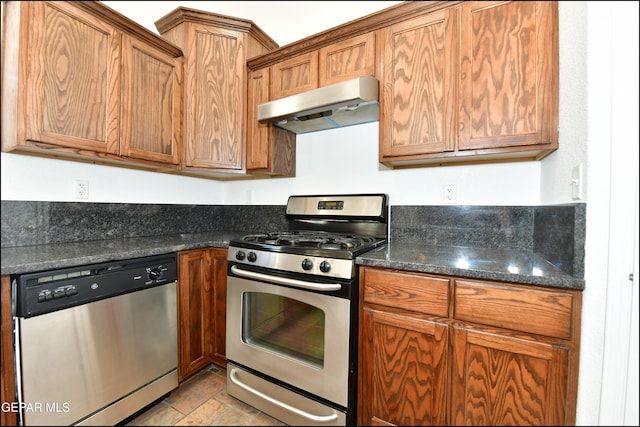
[{"x": 342, "y": 104}]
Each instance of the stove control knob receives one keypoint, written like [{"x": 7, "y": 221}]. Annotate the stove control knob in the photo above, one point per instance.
[
  {"x": 307, "y": 264},
  {"x": 252, "y": 257},
  {"x": 240, "y": 255},
  {"x": 325, "y": 266}
]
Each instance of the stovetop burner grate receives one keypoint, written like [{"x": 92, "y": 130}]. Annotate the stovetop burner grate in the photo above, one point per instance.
[{"x": 311, "y": 239}]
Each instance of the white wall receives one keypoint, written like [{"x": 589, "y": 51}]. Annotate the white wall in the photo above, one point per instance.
[{"x": 586, "y": 97}]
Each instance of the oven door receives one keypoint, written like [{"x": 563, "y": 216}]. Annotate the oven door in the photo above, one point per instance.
[{"x": 298, "y": 336}]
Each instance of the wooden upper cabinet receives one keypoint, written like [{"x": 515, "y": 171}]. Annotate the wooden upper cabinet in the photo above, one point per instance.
[
  {"x": 270, "y": 149},
  {"x": 295, "y": 75},
  {"x": 151, "y": 103},
  {"x": 508, "y": 74},
  {"x": 216, "y": 48},
  {"x": 472, "y": 82},
  {"x": 72, "y": 77},
  {"x": 81, "y": 82},
  {"x": 418, "y": 97},
  {"x": 348, "y": 59},
  {"x": 214, "y": 98}
]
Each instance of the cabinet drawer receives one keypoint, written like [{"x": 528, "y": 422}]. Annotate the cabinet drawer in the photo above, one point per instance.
[
  {"x": 409, "y": 291},
  {"x": 538, "y": 311}
]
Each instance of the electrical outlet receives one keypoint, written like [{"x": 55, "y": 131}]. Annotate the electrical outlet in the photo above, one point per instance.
[
  {"x": 450, "y": 193},
  {"x": 82, "y": 189}
]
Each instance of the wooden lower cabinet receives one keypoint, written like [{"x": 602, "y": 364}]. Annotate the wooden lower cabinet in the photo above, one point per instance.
[
  {"x": 500, "y": 378},
  {"x": 202, "y": 290},
  {"x": 438, "y": 350},
  {"x": 8, "y": 389},
  {"x": 406, "y": 370}
]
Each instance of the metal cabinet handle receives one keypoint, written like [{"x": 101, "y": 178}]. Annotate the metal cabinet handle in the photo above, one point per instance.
[
  {"x": 311, "y": 417},
  {"x": 286, "y": 281}
]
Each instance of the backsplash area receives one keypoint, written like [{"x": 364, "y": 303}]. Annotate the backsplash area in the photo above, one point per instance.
[{"x": 556, "y": 232}]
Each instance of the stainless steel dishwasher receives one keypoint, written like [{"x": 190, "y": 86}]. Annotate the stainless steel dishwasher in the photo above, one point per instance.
[{"x": 95, "y": 344}]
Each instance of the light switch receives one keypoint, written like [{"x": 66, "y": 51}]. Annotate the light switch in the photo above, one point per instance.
[{"x": 577, "y": 181}]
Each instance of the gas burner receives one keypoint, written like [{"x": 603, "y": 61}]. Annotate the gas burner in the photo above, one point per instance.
[{"x": 310, "y": 239}]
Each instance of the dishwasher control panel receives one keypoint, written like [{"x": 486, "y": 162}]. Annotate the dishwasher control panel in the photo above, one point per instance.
[{"x": 47, "y": 291}]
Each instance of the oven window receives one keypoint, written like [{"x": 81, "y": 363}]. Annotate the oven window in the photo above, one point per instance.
[{"x": 284, "y": 325}]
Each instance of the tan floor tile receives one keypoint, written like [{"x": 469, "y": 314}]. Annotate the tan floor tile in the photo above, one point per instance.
[
  {"x": 231, "y": 417},
  {"x": 160, "y": 415},
  {"x": 205, "y": 414},
  {"x": 195, "y": 391}
]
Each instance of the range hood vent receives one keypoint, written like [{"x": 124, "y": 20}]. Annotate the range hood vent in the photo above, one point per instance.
[{"x": 342, "y": 104}]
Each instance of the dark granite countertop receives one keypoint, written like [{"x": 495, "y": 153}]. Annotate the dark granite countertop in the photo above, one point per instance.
[
  {"x": 517, "y": 266},
  {"x": 27, "y": 259}
]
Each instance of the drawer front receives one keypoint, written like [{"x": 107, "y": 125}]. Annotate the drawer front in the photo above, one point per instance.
[
  {"x": 537, "y": 311},
  {"x": 414, "y": 292}
]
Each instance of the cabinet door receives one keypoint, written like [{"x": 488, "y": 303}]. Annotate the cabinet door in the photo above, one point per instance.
[
  {"x": 219, "y": 306},
  {"x": 418, "y": 95},
  {"x": 348, "y": 59},
  {"x": 403, "y": 370},
  {"x": 151, "y": 103},
  {"x": 270, "y": 149},
  {"x": 506, "y": 379},
  {"x": 258, "y": 133},
  {"x": 73, "y": 79},
  {"x": 214, "y": 98},
  {"x": 194, "y": 311},
  {"x": 294, "y": 75},
  {"x": 508, "y": 74}
]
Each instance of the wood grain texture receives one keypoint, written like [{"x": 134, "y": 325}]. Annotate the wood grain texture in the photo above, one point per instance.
[
  {"x": 219, "y": 306},
  {"x": 518, "y": 307},
  {"x": 508, "y": 80},
  {"x": 194, "y": 311},
  {"x": 216, "y": 92},
  {"x": 347, "y": 60},
  {"x": 7, "y": 372},
  {"x": 294, "y": 76},
  {"x": 408, "y": 370},
  {"x": 503, "y": 380},
  {"x": 512, "y": 357},
  {"x": 271, "y": 151},
  {"x": 419, "y": 92},
  {"x": 151, "y": 103},
  {"x": 74, "y": 79},
  {"x": 414, "y": 292}
]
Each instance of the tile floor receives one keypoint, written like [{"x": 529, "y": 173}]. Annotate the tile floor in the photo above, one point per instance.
[{"x": 202, "y": 400}]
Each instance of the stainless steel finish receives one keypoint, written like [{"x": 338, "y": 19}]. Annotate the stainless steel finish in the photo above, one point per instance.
[
  {"x": 340, "y": 268},
  {"x": 330, "y": 382},
  {"x": 86, "y": 358},
  {"x": 285, "y": 281},
  {"x": 133, "y": 402},
  {"x": 342, "y": 104},
  {"x": 289, "y": 407},
  {"x": 354, "y": 205}
]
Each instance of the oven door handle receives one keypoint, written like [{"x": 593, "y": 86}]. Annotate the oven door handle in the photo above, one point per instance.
[
  {"x": 310, "y": 417},
  {"x": 285, "y": 281}
]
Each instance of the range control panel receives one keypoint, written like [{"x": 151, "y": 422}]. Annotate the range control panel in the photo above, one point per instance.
[{"x": 47, "y": 291}]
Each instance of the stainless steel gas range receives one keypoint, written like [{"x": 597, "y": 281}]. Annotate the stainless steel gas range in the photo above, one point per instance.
[{"x": 292, "y": 308}]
